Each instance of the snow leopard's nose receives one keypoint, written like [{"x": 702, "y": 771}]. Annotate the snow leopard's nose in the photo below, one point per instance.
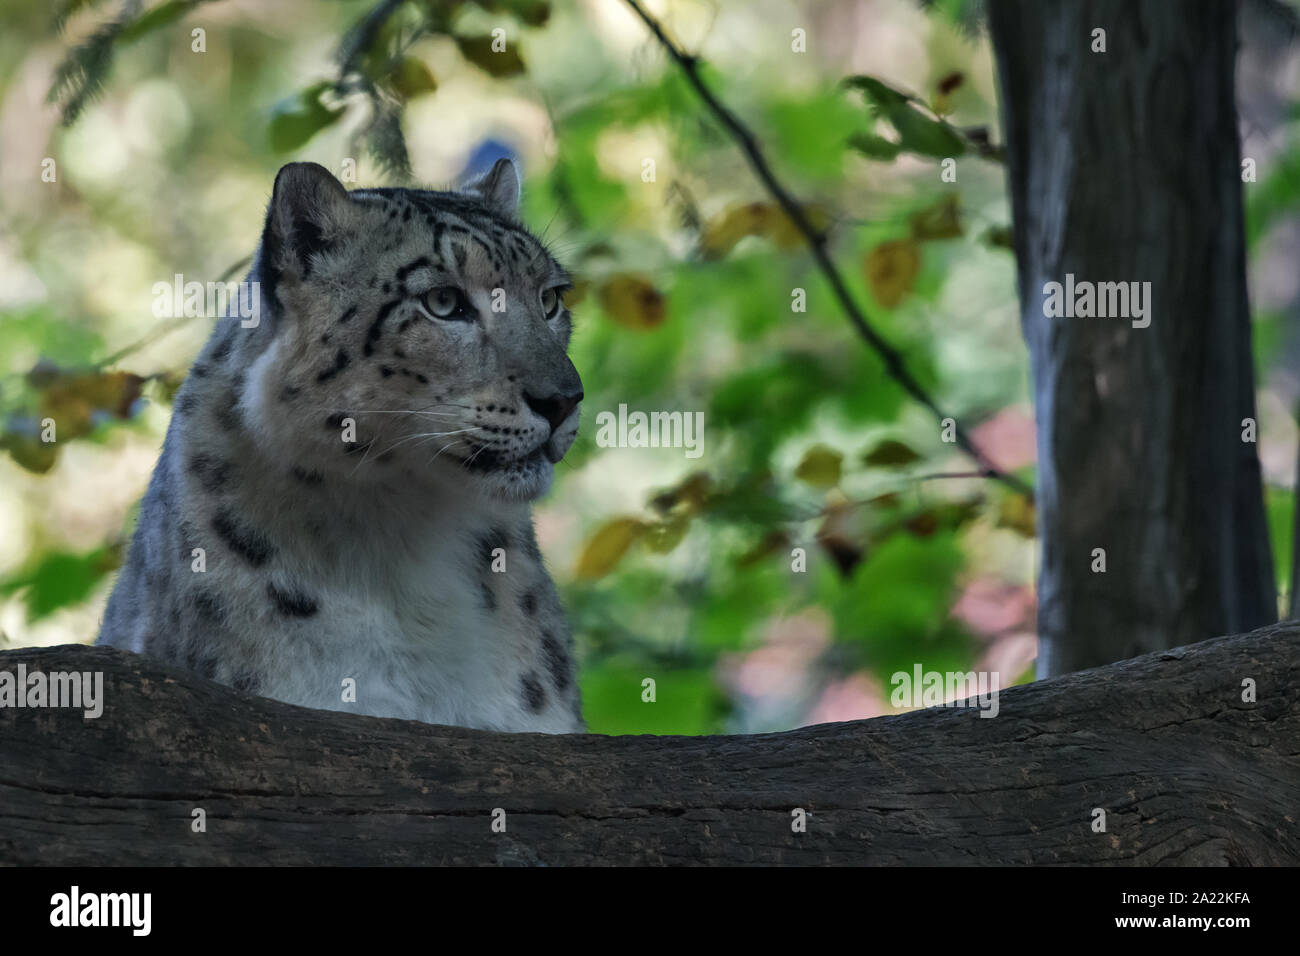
[{"x": 555, "y": 408}]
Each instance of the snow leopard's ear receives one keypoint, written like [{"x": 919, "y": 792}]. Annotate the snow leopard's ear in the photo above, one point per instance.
[
  {"x": 498, "y": 188},
  {"x": 308, "y": 210}
]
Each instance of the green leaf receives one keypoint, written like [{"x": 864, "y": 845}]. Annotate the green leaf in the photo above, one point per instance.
[
  {"x": 917, "y": 133},
  {"x": 478, "y": 50},
  {"x": 157, "y": 18},
  {"x": 811, "y": 130},
  {"x": 534, "y": 13},
  {"x": 875, "y": 147},
  {"x": 1275, "y": 195},
  {"x": 890, "y": 454},
  {"x": 296, "y": 119},
  {"x": 897, "y": 602},
  {"x": 686, "y": 701},
  {"x": 924, "y": 136},
  {"x": 1280, "y": 508},
  {"x": 60, "y": 579},
  {"x": 879, "y": 94},
  {"x": 411, "y": 77}
]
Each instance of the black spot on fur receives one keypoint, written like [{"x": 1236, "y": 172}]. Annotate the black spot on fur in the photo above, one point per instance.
[
  {"x": 209, "y": 607},
  {"x": 347, "y": 316},
  {"x": 200, "y": 370},
  {"x": 249, "y": 544},
  {"x": 212, "y": 473},
  {"x": 186, "y": 403},
  {"x": 385, "y": 371},
  {"x": 376, "y": 327},
  {"x": 340, "y": 363},
  {"x": 227, "y": 413},
  {"x": 528, "y": 602},
  {"x": 292, "y": 602},
  {"x": 289, "y": 392},
  {"x": 534, "y": 695},
  {"x": 308, "y": 240},
  {"x": 310, "y": 478},
  {"x": 201, "y": 661},
  {"x": 557, "y": 661}
]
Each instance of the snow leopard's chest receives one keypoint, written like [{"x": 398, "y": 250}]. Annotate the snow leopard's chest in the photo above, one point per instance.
[{"x": 467, "y": 631}]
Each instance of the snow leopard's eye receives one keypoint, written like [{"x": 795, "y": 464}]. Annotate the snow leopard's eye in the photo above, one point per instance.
[
  {"x": 552, "y": 301},
  {"x": 448, "y": 302}
]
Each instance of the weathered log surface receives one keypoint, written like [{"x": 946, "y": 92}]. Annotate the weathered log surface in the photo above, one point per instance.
[{"x": 1186, "y": 771}]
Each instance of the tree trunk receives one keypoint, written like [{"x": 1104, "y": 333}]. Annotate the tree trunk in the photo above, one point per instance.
[
  {"x": 1123, "y": 167},
  {"x": 1184, "y": 770}
]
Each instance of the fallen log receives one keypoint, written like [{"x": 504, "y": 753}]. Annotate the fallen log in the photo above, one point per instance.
[{"x": 1187, "y": 769}]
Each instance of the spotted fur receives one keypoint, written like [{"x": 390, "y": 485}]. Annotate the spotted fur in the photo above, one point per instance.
[{"x": 339, "y": 481}]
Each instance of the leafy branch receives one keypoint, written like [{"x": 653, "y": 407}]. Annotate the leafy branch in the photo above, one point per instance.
[
  {"x": 816, "y": 238},
  {"x": 81, "y": 75}
]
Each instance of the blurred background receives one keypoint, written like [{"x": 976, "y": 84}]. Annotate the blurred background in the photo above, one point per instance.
[{"x": 815, "y": 546}]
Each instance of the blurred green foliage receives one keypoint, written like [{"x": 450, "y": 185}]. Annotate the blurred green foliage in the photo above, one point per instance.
[{"x": 695, "y": 294}]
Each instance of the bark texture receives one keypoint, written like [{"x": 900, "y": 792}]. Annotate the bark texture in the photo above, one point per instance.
[
  {"x": 1185, "y": 770},
  {"x": 1123, "y": 166}
]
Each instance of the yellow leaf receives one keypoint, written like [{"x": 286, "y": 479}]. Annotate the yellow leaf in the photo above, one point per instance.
[
  {"x": 689, "y": 495},
  {"x": 939, "y": 221},
  {"x": 576, "y": 294},
  {"x": 723, "y": 231},
  {"x": 633, "y": 301},
  {"x": 942, "y": 102},
  {"x": 605, "y": 549},
  {"x": 821, "y": 467},
  {"x": 72, "y": 399},
  {"x": 663, "y": 536},
  {"x": 411, "y": 77},
  {"x": 891, "y": 270},
  {"x": 998, "y": 237},
  {"x": 1017, "y": 513},
  {"x": 786, "y": 235},
  {"x": 765, "y": 219},
  {"x": 889, "y": 454}
]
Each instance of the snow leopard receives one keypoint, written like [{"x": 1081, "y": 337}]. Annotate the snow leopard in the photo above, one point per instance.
[{"x": 341, "y": 515}]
